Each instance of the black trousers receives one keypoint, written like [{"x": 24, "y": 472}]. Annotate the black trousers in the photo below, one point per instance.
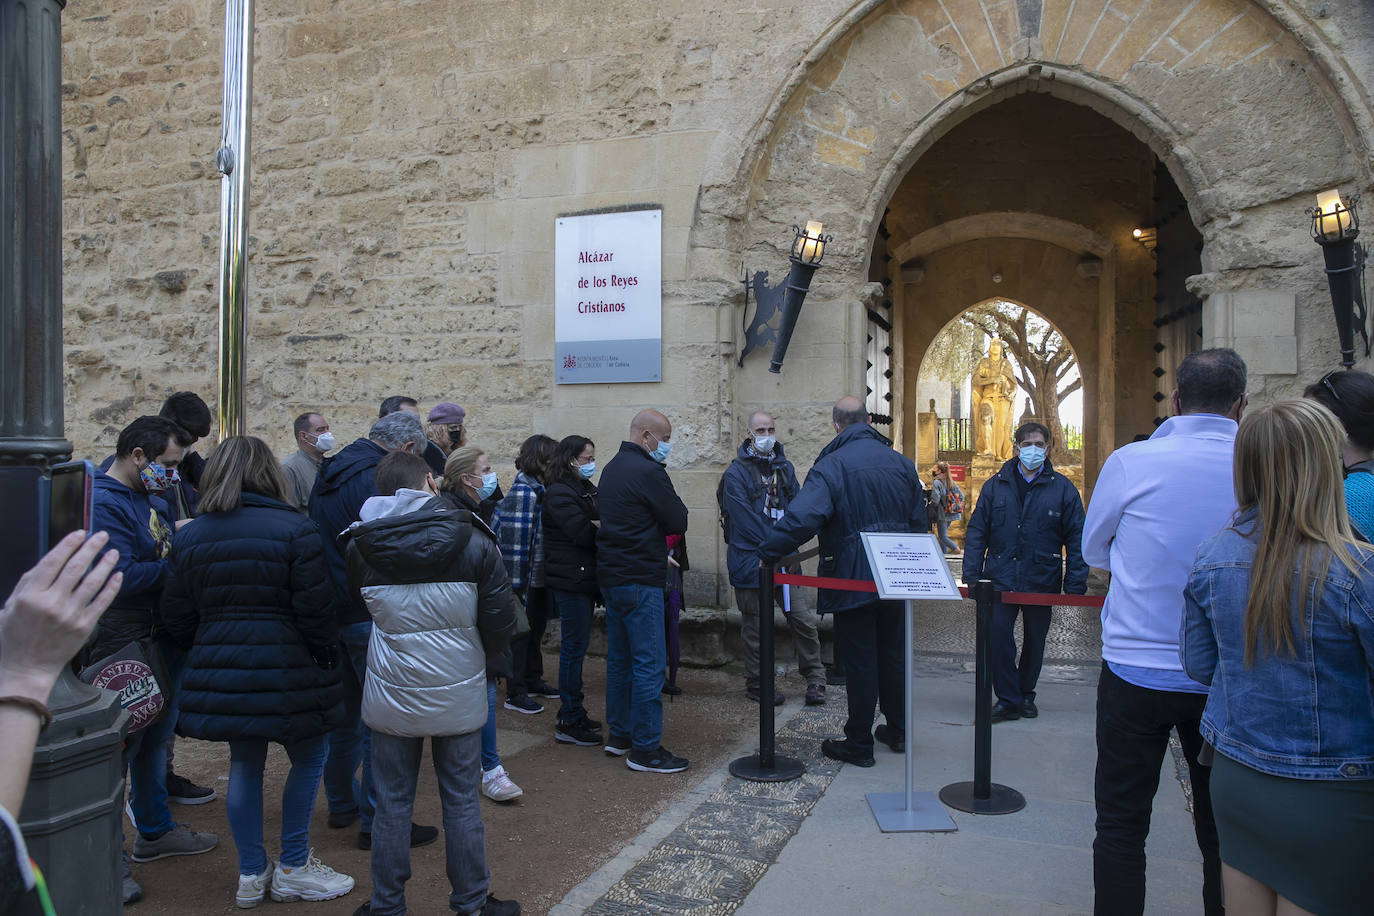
[
  {"x": 1133, "y": 725},
  {"x": 1014, "y": 681},
  {"x": 527, "y": 659},
  {"x": 871, "y": 640}
]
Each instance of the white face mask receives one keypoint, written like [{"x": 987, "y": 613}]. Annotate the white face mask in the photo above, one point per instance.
[
  {"x": 765, "y": 444},
  {"x": 324, "y": 441}
]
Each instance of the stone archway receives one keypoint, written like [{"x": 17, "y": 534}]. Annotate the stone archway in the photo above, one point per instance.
[{"x": 1242, "y": 101}]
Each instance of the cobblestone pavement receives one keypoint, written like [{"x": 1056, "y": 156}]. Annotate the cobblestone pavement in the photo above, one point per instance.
[
  {"x": 713, "y": 859},
  {"x": 947, "y": 628}
]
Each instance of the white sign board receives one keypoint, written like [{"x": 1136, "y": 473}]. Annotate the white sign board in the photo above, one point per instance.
[
  {"x": 908, "y": 566},
  {"x": 608, "y": 298}
]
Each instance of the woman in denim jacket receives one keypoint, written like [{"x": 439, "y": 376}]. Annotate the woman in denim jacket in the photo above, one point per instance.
[{"x": 1279, "y": 621}]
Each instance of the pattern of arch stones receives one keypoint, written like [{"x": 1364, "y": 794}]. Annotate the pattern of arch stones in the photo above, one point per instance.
[{"x": 1223, "y": 91}]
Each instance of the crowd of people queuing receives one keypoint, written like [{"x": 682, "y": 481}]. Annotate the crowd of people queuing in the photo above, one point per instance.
[{"x": 349, "y": 606}]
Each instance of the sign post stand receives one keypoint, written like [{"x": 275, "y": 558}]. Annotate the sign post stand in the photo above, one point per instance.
[{"x": 910, "y": 567}]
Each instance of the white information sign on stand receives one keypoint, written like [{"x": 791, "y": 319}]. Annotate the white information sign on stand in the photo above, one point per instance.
[
  {"x": 909, "y": 566},
  {"x": 608, "y": 297}
]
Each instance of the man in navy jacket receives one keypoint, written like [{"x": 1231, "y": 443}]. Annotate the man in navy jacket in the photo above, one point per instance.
[
  {"x": 1026, "y": 519},
  {"x": 756, "y": 490},
  {"x": 347, "y": 480},
  {"x": 858, "y": 483},
  {"x": 639, "y": 509}
]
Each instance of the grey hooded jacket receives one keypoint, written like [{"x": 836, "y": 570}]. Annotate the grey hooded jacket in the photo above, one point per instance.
[{"x": 432, "y": 579}]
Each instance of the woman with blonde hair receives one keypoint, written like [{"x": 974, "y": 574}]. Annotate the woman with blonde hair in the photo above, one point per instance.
[
  {"x": 1279, "y": 621},
  {"x": 468, "y": 484},
  {"x": 248, "y": 594}
]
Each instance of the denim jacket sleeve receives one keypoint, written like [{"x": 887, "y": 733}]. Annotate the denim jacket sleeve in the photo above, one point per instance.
[{"x": 1197, "y": 644}]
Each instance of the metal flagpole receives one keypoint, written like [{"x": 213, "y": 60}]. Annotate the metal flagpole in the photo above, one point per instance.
[{"x": 232, "y": 160}]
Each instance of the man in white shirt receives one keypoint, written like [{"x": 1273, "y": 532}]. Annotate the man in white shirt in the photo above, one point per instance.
[{"x": 1155, "y": 501}]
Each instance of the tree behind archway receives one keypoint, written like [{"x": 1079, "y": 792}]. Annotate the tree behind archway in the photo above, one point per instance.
[{"x": 1042, "y": 357}]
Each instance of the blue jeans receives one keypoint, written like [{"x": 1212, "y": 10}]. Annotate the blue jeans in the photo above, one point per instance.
[
  {"x": 1013, "y": 681},
  {"x": 490, "y": 759},
  {"x": 942, "y": 531},
  {"x": 243, "y": 801},
  {"x": 575, "y": 627},
  {"x": 145, "y": 755},
  {"x": 397, "y": 764},
  {"x": 350, "y": 743},
  {"x": 635, "y": 661}
]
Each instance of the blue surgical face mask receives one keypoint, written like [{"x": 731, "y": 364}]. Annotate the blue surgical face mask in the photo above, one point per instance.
[
  {"x": 488, "y": 486},
  {"x": 1032, "y": 456},
  {"x": 660, "y": 452},
  {"x": 587, "y": 470}
]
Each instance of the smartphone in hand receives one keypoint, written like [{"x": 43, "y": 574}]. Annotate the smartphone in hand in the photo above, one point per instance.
[{"x": 69, "y": 500}]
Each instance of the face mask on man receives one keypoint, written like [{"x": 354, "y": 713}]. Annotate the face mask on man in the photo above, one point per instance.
[
  {"x": 660, "y": 452},
  {"x": 764, "y": 444},
  {"x": 1032, "y": 456},
  {"x": 586, "y": 470},
  {"x": 488, "y": 486},
  {"x": 324, "y": 441},
  {"x": 157, "y": 479}
]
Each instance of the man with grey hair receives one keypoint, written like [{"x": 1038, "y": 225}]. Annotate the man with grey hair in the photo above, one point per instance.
[
  {"x": 344, "y": 483},
  {"x": 754, "y": 493}
]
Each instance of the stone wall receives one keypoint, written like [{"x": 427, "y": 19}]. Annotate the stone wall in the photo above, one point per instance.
[{"x": 409, "y": 158}]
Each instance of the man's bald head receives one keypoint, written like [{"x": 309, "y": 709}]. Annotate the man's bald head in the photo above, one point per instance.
[
  {"x": 651, "y": 421},
  {"x": 848, "y": 411}
]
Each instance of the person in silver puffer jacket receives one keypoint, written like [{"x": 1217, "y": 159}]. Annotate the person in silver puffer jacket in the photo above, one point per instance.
[{"x": 433, "y": 582}]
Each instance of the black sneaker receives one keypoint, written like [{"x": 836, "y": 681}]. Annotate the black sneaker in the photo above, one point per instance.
[
  {"x": 753, "y": 694},
  {"x": 494, "y": 907},
  {"x": 618, "y": 745},
  {"x": 891, "y": 737},
  {"x": 542, "y": 689},
  {"x": 845, "y": 752},
  {"x": 420, "y": 835},
  {"x": 659, "y": 761},
  {"x": 588, "y": 722},
  {"x": 523, "y": 704},
  {"x": 576, "y": 733},
  {"x": 184, "y": 792},
  {"x": 671, "y": 690}
]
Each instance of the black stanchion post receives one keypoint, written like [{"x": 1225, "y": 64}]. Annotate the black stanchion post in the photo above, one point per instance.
[
  {"x": 982, "y": 691},
  {"x": 766, "y": 765},
  {"x": 983, "y": 796}
]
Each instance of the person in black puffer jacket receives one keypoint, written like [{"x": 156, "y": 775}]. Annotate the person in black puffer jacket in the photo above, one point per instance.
[
  {"x": 248, "y": 595},
  {"x": 570, "y": 519}
]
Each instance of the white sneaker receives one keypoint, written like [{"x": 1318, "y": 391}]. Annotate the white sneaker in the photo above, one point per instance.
[
  {"x": 497, "y": 786},
  {"x": 312, "y": 881},
  {"x": 252, "y": 888}
]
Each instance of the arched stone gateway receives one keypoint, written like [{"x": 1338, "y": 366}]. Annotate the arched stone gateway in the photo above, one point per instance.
[{"x": 1249, "y": 107}]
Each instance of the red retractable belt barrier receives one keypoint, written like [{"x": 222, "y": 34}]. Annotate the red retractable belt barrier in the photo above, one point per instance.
[{"x": 859, "y": 585}]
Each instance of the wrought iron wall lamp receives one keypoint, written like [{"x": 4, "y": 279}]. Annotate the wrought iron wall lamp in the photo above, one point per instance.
[
  {"x": 776, "y": 308},
  {"x": 1335, "y": 225}
]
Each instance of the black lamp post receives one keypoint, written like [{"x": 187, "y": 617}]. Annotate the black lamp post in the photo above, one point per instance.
[
  {"x": 808, "y": 248},
  {"x": 1335, "y": 225}
]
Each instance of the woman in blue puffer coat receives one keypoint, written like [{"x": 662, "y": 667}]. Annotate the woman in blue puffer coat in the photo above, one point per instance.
[{"x": 249, "y": 596}]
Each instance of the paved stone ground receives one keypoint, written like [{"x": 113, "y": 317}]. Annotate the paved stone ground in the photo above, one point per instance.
[{"x": 810, "y": 845}]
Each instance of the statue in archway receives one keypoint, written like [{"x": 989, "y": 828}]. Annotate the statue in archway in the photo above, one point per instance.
[{"x": 993, "y": 399}]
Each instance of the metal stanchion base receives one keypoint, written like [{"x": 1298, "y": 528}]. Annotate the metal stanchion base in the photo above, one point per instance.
[
  {"x": 927, "y": 815},
  {"x": 1002, "y": 800},
  {"x": 783, "y": 768}
]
